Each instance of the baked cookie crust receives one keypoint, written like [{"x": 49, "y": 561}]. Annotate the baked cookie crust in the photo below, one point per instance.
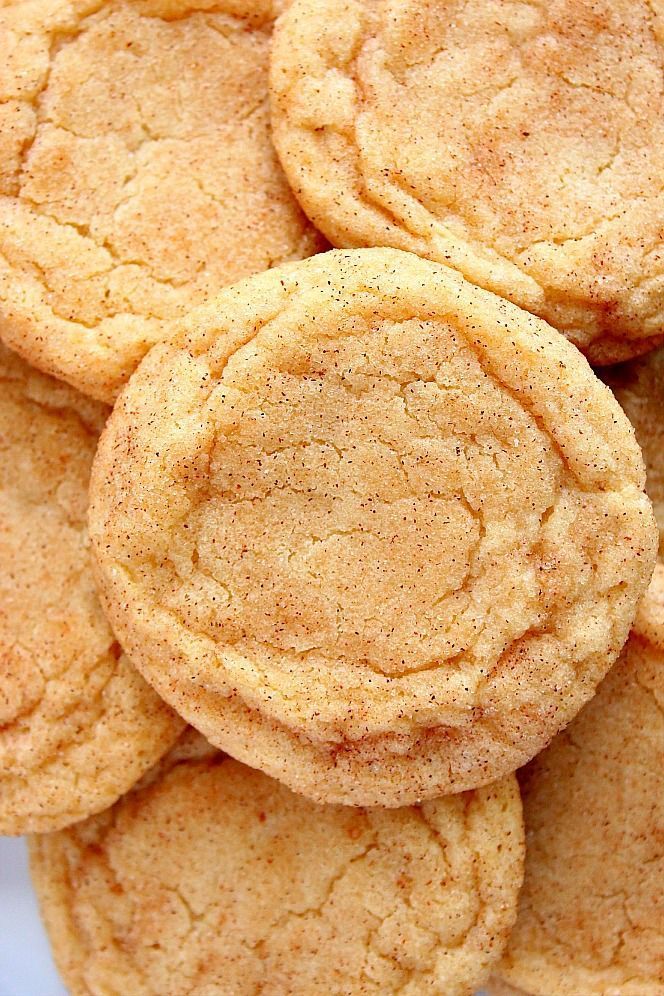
[
  {"x": 370, "y": 528},
  {"x": 137, "y": 174},
  {"x": 213, "y": 878},
  {"x": 78, "y": 725},
  {"x": 590, "y": 914},
  {"x": 639, "y": 387},
  {"x": 522, "y": 143}
]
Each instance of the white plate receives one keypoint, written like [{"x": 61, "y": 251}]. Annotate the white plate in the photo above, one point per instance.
[{"x": 26, "y": 967}]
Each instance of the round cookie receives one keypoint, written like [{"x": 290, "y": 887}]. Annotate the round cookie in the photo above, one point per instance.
[
  {"x": 212, "y": 878},
  {"x": 590, "y": 914},
  {"x": 78, "y": 725},
  {"x": 137, "y": 174},
  {"x": 639, "y": 387},
  {"x": 369, "y": 528},
  {"x": 522, "y": 143}
]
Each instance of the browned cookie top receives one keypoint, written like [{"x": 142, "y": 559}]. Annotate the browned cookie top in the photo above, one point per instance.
[
  {"x": 212, "y": 879},
  {"x": 78, "y": 725},
  {"x": 590, "y": 914},
  {"x": 523, "y": 143},
  {"x": 137, "y": 174},
  {"x": 371, "y": 528}
]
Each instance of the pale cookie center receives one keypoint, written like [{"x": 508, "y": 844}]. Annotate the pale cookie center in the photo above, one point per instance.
[
  {"x": 609, "y": 760},
  {"x": 524, "y": 122},
  {"x": 373, "y": 500},
  {"x": 55, "y": 646},
  {"x": 145, "y": 156},
  {"x": 522, "y": 143},
  {"x": 285, "y": 887}
]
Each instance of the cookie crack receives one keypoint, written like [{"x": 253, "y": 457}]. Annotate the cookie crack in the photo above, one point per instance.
[{"x": 430, "y": 227}]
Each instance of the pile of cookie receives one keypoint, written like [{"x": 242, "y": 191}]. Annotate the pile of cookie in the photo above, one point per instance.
[{"x": 363, "y": 532}]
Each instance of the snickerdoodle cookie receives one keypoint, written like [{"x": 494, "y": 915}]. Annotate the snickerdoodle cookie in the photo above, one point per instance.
[
  {"x": 590, "y": 918},
  {"x": 78, "y": 725},
  {"x": 523, "y": 143},
  {"x": 369, "y": 528},
  {"x": 639, "y": 387},
  {"x": 210, "y": 878},
  {"x": 137, "y": 174}
]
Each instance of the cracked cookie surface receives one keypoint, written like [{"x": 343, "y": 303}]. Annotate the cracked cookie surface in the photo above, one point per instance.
[
  {"x": 211, "y": 878},
  {"x": 590, "y": 913},
  {"x": 369, "y": 528},
  {"x": 639, "y": 387},
  {"x": 137, "y": 174},
  {"x": 78, "y": 725},
  {"x": 520, "y": 142}
]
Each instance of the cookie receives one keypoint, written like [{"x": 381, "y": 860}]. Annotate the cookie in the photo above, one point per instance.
[
  {"x": 213, "y": 878},
  {"x": 639, "y": 387},
  {"x": 78, "y": 725},
  {"x": 370, "y": 528},
  {"x": 590, "y": 914},
  {"x": 137, "y": 174},
  {"x": 522, "y": 143}
]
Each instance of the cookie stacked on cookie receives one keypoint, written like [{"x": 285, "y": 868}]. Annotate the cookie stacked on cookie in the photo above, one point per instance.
[
  {"x": 370, "y": 528},
  {"x": 590, "y": 910},
  {"x": 212, "y": 876},
  {"x": 368, "y": 522},
  {"x": 78, "y": 725},
  {"x": 520, "y": 143},
  {"x": 137, "y": 176}
]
